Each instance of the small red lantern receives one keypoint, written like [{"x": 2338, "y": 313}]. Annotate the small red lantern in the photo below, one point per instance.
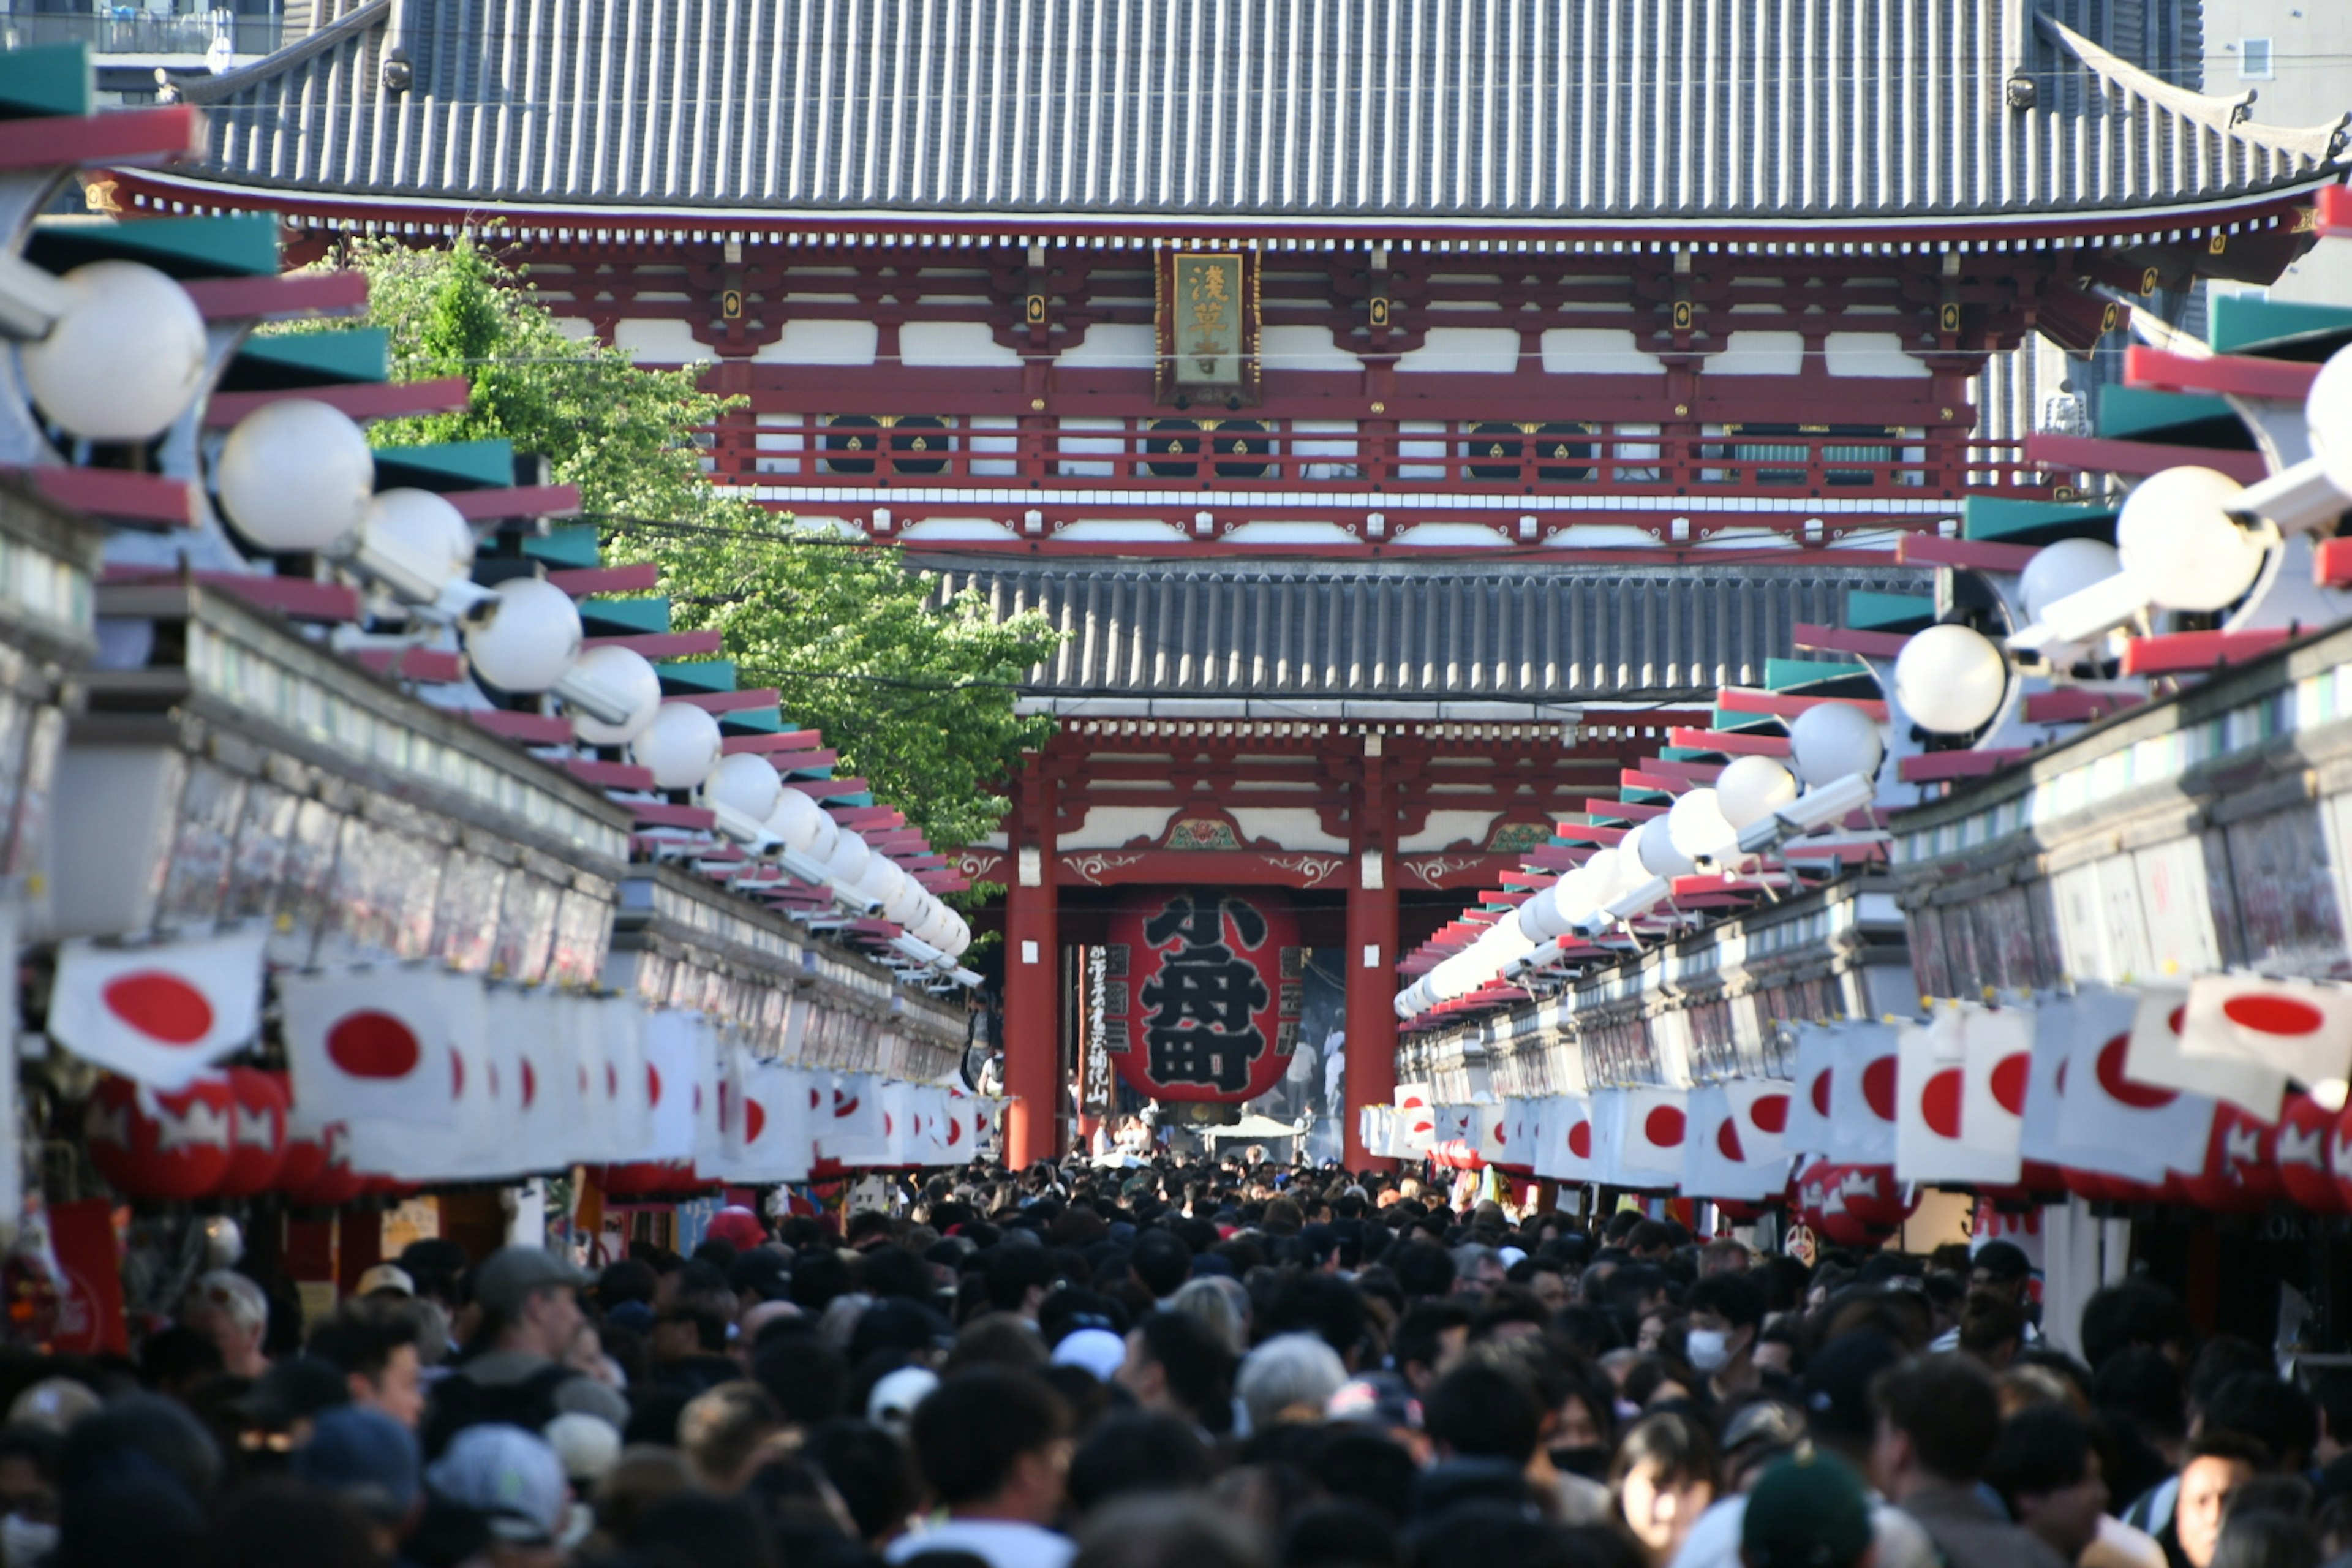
[
  {"x": 258, "y": 1134},
  {"x": 334, "y": 1183},
  {"x": 180, "y": 1151},
  {"x": 2241, "y": 1171},
  {"x": 1873, "y": 1196},
  {"x": 2305, "y": 1130}
]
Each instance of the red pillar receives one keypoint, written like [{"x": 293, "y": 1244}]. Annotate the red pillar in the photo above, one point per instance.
[
  {"x": 1371, "y": 1025},
  {"x": 1032, "y": 981}
]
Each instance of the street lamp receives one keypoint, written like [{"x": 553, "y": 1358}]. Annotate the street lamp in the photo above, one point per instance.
[
  {"x": 295, "y": 475},
  {"x": 122, "y": 357}
]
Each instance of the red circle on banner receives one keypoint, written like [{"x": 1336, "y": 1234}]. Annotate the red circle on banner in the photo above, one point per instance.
[
  {"x": 1727, "y": 1139},
  {"x": 1579, "y": 1140},
  {"x": 2009, "y": 1080},
  {"x": 369, "y": 1044},
  {"x": 755, "y": 1121},
  {"x": 1771, "y": 1112},
  {"x": 1878, "y": 1088},
  {"x": 1822, "y": 1091},
  {"x": 1663, "y": 1126},
  {"x": 2271, "y": 1015},
  {"x": 1939, "y": 1102},
  {"x": 160, "y": 1006},
  {"x": 2121, "y": 1090},
  {"x": 457, "y": 1074},
  {"x": 1210, "y": 1015},
  {"x": 653, "y": 1085},
  {"x": 530, "y": 1084}
]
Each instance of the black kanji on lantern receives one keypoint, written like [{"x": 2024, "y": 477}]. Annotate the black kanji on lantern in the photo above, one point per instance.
[{"x": 1199, "y": 1010}]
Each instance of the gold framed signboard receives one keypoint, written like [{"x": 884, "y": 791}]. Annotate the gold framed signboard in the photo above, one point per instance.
[{"x": 1205, "y": 308}]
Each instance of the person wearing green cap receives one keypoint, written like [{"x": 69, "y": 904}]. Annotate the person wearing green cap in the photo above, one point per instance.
[{"x": 1807, "y": 1510}]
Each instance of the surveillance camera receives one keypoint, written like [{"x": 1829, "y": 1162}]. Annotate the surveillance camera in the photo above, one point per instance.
[
  {"x": 599, "y": 701},
  {"x": 1815, "y": 808}
]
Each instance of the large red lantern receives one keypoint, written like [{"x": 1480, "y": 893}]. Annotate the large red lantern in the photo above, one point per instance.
[
  {"x": 258, "y": 1134},
  {"x": 333, "y": 1182},
  {"x": 1873, "y": 1196},
  {"x": 1210, "y": 992},
  {"x": 2305, "y": 1128},
  {"x": 2241, "y": 1172},
  {"x": 153, "y": 1145}
]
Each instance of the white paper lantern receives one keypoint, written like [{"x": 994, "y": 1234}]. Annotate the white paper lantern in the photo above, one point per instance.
[
  {"x": 630, "y": 673},
  {"x": 906, "y": 908},
  {"x": 1751, "y": 788},
  {"x": 2327, "y": 417},
  {"x": 419, "y": 537},
  {"x": 881, "y": 883},
  {"x": 796, "y": 820},
  {"x": 295, "y": 475},
  {"x": 2066, "y": 567},
  {"x": 125, "y": 360},
  {"x": 679, "y": 748},
  {"x": 1830, "y": 740},
  {"x": 1950, "y": 680},
  {"x": 746, "y": 784},
  {"x": 1698, "y": 827},
  {"x": 1632, "y": 860},
  {"x": 1575, "y": 895},
  {"x": 959, "y": 936},
  {"x": 1540, "y": 917},
  {"x": 848, "y": 862},
  {"x": 2179, "y": 544},
  {"x": 1662, "y": 854},
  {"x": 531, "y": 640}
]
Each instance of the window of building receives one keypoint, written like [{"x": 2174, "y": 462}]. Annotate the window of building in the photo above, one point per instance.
[{"x": 2253, "y": 59}]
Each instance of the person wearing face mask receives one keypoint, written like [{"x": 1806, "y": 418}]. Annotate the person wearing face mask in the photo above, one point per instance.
[{"x": 1727, "y": 1314}]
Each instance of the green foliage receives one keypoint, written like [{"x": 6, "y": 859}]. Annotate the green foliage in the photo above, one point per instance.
[{"x": 916, "y": 695}]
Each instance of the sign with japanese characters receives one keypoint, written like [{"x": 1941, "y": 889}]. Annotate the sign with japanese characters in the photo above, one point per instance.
[
  {"x": 1210, "y": 992},
  {"x": 1207, "y": 324}
]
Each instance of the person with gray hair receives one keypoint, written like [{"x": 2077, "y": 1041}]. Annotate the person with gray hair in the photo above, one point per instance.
[
  {"x": 231, "y": 1311},
  {"x": 1221, "y": 1302},
  {"x": 1477, "y": 1269},
  {"x": 1289, "y": 1373}
]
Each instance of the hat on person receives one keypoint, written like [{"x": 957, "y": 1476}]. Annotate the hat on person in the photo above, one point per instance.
[
  {"x": 295, "y": 1389},
  {"x": 1806, "y": 1511},
  {"x": 509, "y": 1277},
  {"x": 387, "y": 1277},
  {"x": 767, "y": 1274},
  {"x": 892, "y": 1404},
  {"x": 588, "y": 1447},
  {"x": 1098, "y": 1351},
  {"x": 433, "y": 1255},
  {"x": 54, "y": 1405},
  {"x": 364, "y": 1456},
  {"x": 2002, "y": 1260},
  {"x": 510, "y": 1478},
  {"x": 1838, "y": 1379},
  {"x": 1376, "y": 1399},
  {"x": 738, "y": 1227}
]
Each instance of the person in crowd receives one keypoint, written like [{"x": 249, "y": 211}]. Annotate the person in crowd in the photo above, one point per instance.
[
  {"x": 1938, "y": 1425},
  {"x": 1807, "y": 1510},
  {"x": 527, "y": 1306},
  {"x": 234, "y": 1313},
  {"x": 2217, "y": 1465},
  {"x": 1664, "y": 1478},
  {"x": 373, "y": 1344},
  {"x": 1726, "y": 1315},
  {"x": 994, "y": 1447}
]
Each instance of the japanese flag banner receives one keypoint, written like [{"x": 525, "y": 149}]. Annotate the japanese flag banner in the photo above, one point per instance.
[
  {"x": 2110, "y": 1123},
  {"x": 1933, "y": 1140},
  {"x": 1863, "y": 1102},
  {"x": 1736, "y": 1145},
  {"x": 578, "y": 1078},
  {"x": 1569, "y": 1141},
  {"x": 2159, "y": 1057},
  {"x": 525, "y": 1052},
  {"x": 850, "y": 1129},
  {"x": 1815, "y": 1080},
  {"x": 2056, "y": 1017},
  {"x": 472, "y": 1141},
  {"x": 366, "y": 1047},
  {"x": 1457, "y": 1123},
  {"x": 1416, "y": 1121},
  {"x": 2291, "y": 1026},
  {"x": 1514, "y": 1136},
  {"x": 160, "y": 1014},
  {"x": 670, "y": 1077},
  {"x": 1652, "y": 1127},
  {"x": 628, "y": 1113},
  {"x": 1998, "y": 1057},
  {"x": 771, "y": 1145},
  {"x": 715, "y": 1094},
  {"x": 485, "y": 1095}
]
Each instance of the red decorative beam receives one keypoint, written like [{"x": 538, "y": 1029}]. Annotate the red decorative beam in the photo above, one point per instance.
[
  {"x": 140, "y": 500},
  {"x": 361, "y": 400},
  {"x": 828, "y": 789},
  {"x": 1732, "y": 742},
  {"x": 1637, "y": 779},
  {"x": 1928, "y": 767},
  {"x": 515, "y": 501},
  {"x": 1976, "y": 554},
  {"x": 664, "y": 645},
  {"x": 1787, "y": 705},
  {"x": 661, "y": 814},
  {"x": 2116, "y": 457},
  {"x": 432, "y": 666},
  {"x": 2074, "y": 705},
  {"x": 726, "y": 701},
  {"x": 1846, "y": 639},
  {"x": 2196, "y": 653},
  {"x": 582, "y": 580},
  {"x": 120, "y": 136},
  {"x": 530, "y": 728},
  {"x": 294, "y": 295},
  {"x": 2239, "y": 375},
  {"x": 609, "y": 775}
]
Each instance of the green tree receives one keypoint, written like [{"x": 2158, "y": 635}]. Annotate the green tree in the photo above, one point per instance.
[{"x": 915, "y": 693}]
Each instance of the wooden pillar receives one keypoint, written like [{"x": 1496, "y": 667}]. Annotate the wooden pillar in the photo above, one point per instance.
[
  {"x": 1371, "y": 1027},
  {"x": 1033, "y": 979}
]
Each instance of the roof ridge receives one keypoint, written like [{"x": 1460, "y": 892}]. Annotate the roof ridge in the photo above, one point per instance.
[
  {"x": 209, "y": 90},
  {"x": 2232, "y": 116}
]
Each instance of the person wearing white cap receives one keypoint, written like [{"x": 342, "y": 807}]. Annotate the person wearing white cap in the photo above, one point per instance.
[
  {"x": 1098, "y": 1351},
  {"x": 891, "y": 1406}
]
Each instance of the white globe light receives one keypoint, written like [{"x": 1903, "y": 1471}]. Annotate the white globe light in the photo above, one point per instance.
[
  {"x": 1573, "y": 895},
  {"x": 679, "y": 748},
  {"x": 531, "y": 640},
  {"x": 2066, "y": 567},
  {"x": 1751, "y": 788},
  {"x": 1661, "y": 854},
  {"x": 295, "y": 475},
  {"x": 959, "y": 936},
  {"x": 796, "y": 820},
  {"x": 907, "y": 908},
  {"x": 2178, "y": 545},
  {"x": 1536, "y": 918},
  {"x": 882, "y": 880},
  {"x": 1454, "y": 978},
  {"x": 422, "y": 535},
  {"x": 1830, "y": 740},
  {"x": 1950, "y": 680},
  {"x": 2328, "y": 416},
  {"x": 848, "y": 862},
  {"x": 125, "y": 360},
  {"x": 745, "y": 784},
  {"x": 1607, "y": 873},
  {"x": 628, "y": 671},
  {"x": 1698, "y": 827},
  {"x": 1632, "y": 860}
]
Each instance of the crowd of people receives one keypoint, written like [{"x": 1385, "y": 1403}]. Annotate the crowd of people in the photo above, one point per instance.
[{"x": 1177, "y": 1368}]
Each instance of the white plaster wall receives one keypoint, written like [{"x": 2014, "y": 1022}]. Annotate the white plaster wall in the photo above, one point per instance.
[
  {"x": 1305, "y": 348},
  {"x": 952, "y": 343},
  {"x": 658, "y": 341},
  {"x": 1597, "y": 351},
  {"x": 1109, "y": 826},
  {"x": 1445, "y": 829},
  {"x": 1293, "y": 827},
  {"x": 1492, "y": 350},
  {"x": 1114, "y": 345},
  {"x": 1871, "y": 353},
  {"x": 823, "y": 342},
  {"x": 1760, "y": 354}
]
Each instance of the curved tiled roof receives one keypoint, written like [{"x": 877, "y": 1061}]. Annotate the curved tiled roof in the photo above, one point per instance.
[{"x": 1313, "y": 112}]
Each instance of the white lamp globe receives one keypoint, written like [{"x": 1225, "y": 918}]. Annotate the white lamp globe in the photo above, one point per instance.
[
  {"x": 295, "y": 475},
  {"x": 1661, "y": 854},
  {"x": 907, "y": 908},
  {"x": 848, "y": 862},
  {"x": 1454, "y": 979},
  {"x": 628, "y": 671},
  {"x": 1607, "y": 874},
  {"x": 882, "y": 880},
  {"x": 1950, "y": 680},
  {"x": 2328, "y": 416},
  {"x": 679, "y": 748},
  {"x": 959, "y": 936},
  {"x": 125, "y": 360},
  {"x": 1573, "y": 895},
  {"x": 1830, "y": 740},
  {"x": 1536, "y": 917},
  {"x": 2179, "y": 544},
  {"x": 531, "y": 640},
  {"x": 1698, "y": 827},
  {"x": 1633, "y": 859},
  {"x": 420, "y": 528},
  {"x": 2066, "y": 567},
  {"x": 1751, "y": 788},
  {"x": 795, "y": 819},
  {"x": 745, "y": 784}
]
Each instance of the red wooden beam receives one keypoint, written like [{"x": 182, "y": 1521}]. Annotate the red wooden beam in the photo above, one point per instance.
[
  {"x": 726, "y": 701},
  {"x": 1787, "y": 705},
  {"x": 2335, "y": 211},
  {"x": 2076, "y": 705},
  {"x": 1634, "y": 811},
  {"x": 2332, "y": 566},
  {"x": 1732, "y": 742},
  {"x": 828, "y": 789},
  {"x": 432, "y": 666},
  {"x": 148, "y": 500},
  {"x": 1846, "y": 639},
  {"x": 361, "y": 400},
  {"x": 862, "y": 818},
  {"x": 1978, "y": 554},
  {"x": 783, "y": 756},
  {"x": 296, "y": 598},
  {"x": 608, "y": 775},
  {"x": 1632, "y": 778},
  {"x": 119, "y": 136},
  {"x": 580, "y": 581},
  {"x": 661, "y": 814},
  {"x": 1591, "y": 833},
  {"x": 293, "y": 295},
  {"x": 530, "y": 728},
  {"x": 2190, "y": 653},
  {"x": 2117, "y": 457},
  {"x": 1695, "y": 773},
  {"x": 2242, "y": 375},
  {"x": 1926, "y": 767},
  {"x": 515, "y": 501},
  {"x": 664, "y": 645}
]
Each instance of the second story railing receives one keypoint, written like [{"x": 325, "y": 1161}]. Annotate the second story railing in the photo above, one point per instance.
[{"x": 127, "y": 31}]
